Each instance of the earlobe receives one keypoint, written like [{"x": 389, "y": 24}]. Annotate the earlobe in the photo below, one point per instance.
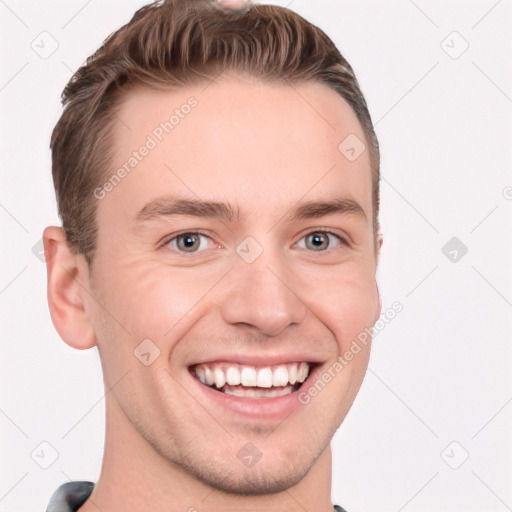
[{"x": 66, "y": 291}]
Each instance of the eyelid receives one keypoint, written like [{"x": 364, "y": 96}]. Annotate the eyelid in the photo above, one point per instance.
[{"x": 326, "y": 229}]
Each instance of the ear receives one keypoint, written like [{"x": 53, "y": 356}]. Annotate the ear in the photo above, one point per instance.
[
  {"x": 378, "y": 246},
  {"x": 67, "y": 282},
  {"x": 378, "y": 309}
]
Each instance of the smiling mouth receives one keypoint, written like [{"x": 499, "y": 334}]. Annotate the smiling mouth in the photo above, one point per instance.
[{"x": 249, "y": 381}]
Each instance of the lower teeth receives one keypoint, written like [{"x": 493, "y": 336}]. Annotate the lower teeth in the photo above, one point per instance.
[{"x": 255, "y": 392}]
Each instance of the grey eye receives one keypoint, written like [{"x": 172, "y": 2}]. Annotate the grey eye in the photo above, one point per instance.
[
  {"x": 189, "y": 242},
  {"x": 319, "y": 241}
]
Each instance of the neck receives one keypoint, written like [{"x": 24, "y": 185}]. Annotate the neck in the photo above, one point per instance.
[{"x": 133, "y": 473}]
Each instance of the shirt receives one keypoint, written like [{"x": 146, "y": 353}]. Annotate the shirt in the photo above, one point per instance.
[{"x": 69, "y": 497}]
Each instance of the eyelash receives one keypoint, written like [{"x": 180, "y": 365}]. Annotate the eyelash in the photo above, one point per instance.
[{"x": 167, "y": 241}]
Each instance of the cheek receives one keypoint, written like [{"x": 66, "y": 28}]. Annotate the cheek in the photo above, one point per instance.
[
  {"x": 153, "y": 301},
  {"x": 345, "y": 300},
  {"x": 147, "y": 299}
]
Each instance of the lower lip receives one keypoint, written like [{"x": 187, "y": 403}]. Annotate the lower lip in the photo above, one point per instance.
[{"x": 256, "y": 408}]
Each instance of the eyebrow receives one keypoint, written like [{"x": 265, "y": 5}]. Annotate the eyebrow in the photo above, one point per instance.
[{"x": 168, "y": 206}]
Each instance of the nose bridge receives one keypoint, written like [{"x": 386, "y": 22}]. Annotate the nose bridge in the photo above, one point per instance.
[{"x": 260, "y": 294}]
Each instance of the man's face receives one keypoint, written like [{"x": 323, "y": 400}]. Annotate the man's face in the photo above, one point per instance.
[{"x": 265, "y": 288}]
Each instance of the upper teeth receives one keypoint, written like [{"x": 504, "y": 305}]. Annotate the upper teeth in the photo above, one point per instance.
[{"x": 233, "y": 374}]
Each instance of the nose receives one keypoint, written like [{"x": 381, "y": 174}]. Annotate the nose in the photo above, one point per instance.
[{"x": 261, "y": 295}]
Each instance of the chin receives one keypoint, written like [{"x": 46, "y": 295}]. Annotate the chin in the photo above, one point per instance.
[{"x": 270, "y": 475}]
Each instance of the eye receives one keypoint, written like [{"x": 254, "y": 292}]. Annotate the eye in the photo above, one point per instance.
[
  {"x": 320, "y": 241},
  {"x": 189, "y": 242},
  {"x": 195, "y": 241}
]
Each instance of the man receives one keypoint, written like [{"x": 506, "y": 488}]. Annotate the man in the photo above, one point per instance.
[{"x": 216, "y": 172}]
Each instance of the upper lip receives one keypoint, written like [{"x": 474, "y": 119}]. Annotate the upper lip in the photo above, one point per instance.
[{"x": 260, "y": 359}]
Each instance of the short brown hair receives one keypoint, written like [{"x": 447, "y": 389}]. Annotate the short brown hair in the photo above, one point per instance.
[{"x": 177, "y": 43}]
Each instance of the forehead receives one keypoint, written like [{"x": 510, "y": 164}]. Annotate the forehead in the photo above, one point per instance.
[{"x": 236, "y": 137}]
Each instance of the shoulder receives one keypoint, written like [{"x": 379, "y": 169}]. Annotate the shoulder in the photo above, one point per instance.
[{"x": 70, "y": 496}]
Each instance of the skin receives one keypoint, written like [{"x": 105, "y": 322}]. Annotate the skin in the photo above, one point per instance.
[
  {"x": 262, "y": 148},
  {"x": 238, "y": 6}
]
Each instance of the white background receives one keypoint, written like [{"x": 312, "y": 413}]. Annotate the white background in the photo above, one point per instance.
[{"x": 439, "y": 372}]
